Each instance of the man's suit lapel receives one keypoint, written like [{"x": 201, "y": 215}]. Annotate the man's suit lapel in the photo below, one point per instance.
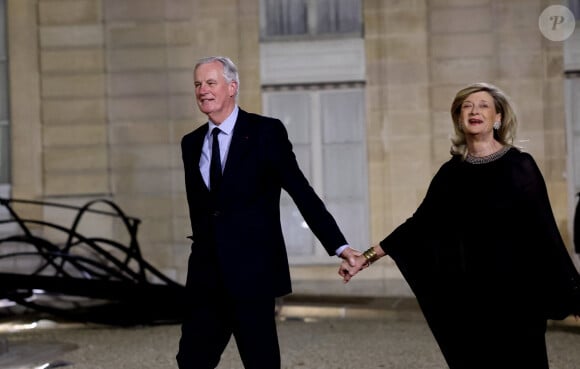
[
  {"x": 194, "y": 155},
  {"x": 238, "y": 147}
]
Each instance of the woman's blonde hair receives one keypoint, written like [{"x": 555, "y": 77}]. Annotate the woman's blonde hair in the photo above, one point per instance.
[{"x": 506, "y": 132}]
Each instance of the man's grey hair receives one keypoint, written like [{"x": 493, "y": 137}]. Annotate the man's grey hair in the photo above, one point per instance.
[{"x": 230, "y": 69}]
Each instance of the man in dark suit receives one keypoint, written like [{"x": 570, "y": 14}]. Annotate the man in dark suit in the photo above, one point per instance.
[{"x": 235, "y": 168}]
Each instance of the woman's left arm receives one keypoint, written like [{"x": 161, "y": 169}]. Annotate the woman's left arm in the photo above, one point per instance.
[{"x": 536, "y": 203}]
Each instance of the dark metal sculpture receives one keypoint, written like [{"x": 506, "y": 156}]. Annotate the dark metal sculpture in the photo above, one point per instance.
[{"x": 84, "y": 278}]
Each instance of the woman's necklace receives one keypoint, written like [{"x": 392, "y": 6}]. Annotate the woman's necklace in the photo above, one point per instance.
[{"x": 488, "y": 158}]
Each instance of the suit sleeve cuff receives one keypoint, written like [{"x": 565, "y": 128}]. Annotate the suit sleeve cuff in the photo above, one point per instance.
[{"x": 341, "y": 249}]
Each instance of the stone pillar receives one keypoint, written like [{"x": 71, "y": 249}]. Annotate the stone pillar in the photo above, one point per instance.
[
  {"x": 25, "y": 109},
  {"x": 398, "y": 111},
  {"x": 75, "y": 154}
]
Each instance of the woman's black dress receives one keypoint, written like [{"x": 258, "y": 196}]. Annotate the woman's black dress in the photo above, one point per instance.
[{"x": 486, "y": 261}]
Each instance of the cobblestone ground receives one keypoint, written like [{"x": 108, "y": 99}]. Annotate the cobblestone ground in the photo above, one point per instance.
[{"x": 335, "y": 343}]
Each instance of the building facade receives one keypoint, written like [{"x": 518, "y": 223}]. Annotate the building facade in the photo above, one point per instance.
[{"x": 96, "y": 95}]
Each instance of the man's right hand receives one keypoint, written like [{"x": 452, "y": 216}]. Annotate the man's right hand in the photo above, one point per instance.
[{"x": 349, "y": 255}]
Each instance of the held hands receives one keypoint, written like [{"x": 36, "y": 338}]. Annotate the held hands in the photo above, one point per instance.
[
  {"x": 348, "y": 270},
  {"x": 355, "y": 261},
  {"x": 349, "y": 256}
]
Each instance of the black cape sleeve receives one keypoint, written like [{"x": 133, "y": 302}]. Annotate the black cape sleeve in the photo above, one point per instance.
[
  {"x": 415, "y": 244},
  {"x": 562, "y": 281}
]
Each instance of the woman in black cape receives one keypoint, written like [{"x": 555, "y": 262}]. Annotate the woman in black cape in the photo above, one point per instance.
[{"x": 482, "y": 253}]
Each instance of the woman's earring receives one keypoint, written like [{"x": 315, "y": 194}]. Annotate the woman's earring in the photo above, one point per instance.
[{"x": 496, "y": 125}]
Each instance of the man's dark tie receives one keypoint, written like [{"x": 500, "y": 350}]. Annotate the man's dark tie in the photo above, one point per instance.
[{"x": 215, "y": 168}]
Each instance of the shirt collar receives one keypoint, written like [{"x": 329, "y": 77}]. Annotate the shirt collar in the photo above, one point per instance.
[{"x": 227, "y": 126}]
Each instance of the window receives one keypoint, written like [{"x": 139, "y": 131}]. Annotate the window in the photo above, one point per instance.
[
  {"x": 327, "y": 130},
  {"x": 573, "y": 135},
  {"x": 303, "y": 18},
  {"x": 572, "y": 91},
  {"x": 574, "y": 6}
]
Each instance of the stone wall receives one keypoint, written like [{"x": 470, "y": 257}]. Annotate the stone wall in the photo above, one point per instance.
[
  {"x": 101, "y": 94},
  {"x": 419, "y": 54}
]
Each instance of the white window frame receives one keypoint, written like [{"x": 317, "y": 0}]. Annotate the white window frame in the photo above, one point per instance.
[
  {"x": 572, "y": 90},
  {"x": 572, "y": 98},
  {"x": 311, "y": 24},
  {"x": 315, "y": 174},
  {"x": 5, "y": 158}
]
